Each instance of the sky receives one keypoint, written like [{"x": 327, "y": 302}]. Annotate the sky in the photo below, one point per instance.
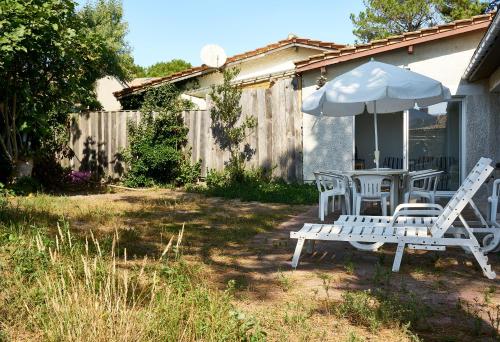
[{"x": 161, "y": 30}]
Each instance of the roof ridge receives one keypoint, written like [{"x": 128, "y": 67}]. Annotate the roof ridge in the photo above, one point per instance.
[
  {"x": 405, "y": 36},
  {"x": 240, "y": 56}
]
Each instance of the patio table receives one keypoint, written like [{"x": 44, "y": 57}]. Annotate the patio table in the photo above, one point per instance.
[{"x": 394, "y": 174}]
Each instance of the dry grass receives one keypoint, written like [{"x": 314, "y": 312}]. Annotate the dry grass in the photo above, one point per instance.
[{"x": 139, "y": 284}]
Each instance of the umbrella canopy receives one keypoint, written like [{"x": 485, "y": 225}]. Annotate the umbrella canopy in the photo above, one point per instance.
[{"x": 378, "y": 88}]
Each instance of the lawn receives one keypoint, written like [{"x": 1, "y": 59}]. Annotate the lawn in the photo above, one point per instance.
[{"x": 121, "y": 267}]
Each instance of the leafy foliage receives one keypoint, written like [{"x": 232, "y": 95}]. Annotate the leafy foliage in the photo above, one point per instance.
[
  {"x": 105, "y": 19},
  {"x": 156, "y": 154},
  {"x": 461, "y": 9},
  {"x": 51, "y": 57},
  {"x": 162, "y": 69},
  {"x": 383, "y": 18},
  {"x": 228, "y": 127}
]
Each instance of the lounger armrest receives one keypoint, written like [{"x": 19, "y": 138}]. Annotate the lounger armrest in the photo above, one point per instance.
[{"x": 416, "y": 209}]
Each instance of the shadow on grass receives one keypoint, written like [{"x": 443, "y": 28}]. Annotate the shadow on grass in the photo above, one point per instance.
[{"x": 240, "y": 241}]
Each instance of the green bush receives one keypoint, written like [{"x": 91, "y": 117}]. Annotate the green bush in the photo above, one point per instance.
[
  {"x": 376, "y": 309},
  {"x": 156, "y": 154},
  {"x": 47, "y": 170},
  {"x": 25, "y": 186},
  {"x": 257, "y": 185}
]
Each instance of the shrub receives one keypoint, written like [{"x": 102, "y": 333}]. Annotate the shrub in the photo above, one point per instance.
[
  {"x": 376, "y": 309},
  {"x": 47, "y": 170},
  {"x": 257, "y": 185},
  {"x": 156, "y": 154},
  {"x": 229, "y": 129},
  {"x": 25, "y": 186}
]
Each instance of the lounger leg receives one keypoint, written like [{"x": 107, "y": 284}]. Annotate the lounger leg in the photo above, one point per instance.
[
  {"x": 298, "y": 250},
  {"x": 397, "y": 258},
  {"x": 482, "y": 260}
]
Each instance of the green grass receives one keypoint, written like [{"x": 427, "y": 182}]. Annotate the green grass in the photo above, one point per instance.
[{"x": 262, "y": 191}]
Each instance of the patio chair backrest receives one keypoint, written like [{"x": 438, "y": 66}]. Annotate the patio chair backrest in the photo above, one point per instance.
[
  {"x": 331, "y": 180},
  {"x": 496, "y": 189},
  {"x": 428, "y": 180},
  {"x": 467, "y": 190},
  {"x": 370, "y": 186}
]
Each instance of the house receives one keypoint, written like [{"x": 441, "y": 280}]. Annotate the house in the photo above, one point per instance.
[
  {"x": 106, "y": 86},
  {"x": 449, "y": 136},
  {"x": 258, "y": 69}
]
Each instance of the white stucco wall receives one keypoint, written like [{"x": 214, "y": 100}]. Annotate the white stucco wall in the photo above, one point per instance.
[
  {"x": 273, "y": 62},
  {"x": 330, "y": 146},
  {"x": 105, "y": 88},
  {"x": 494, "y": 82}
]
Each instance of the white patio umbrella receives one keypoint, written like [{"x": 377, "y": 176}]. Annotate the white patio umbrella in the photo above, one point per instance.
[{"x": 378, "y": 88}]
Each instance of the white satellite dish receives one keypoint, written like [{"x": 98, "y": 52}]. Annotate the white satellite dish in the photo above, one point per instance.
[{"x": 213, "y": 56}]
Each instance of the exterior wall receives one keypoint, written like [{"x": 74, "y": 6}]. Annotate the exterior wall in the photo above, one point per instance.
[
  {"x": 105, "y": 88},
  {"x": 444, "y": 60},
  {"x": 200, "y": 104},
  {"x": 495, "y": 81},
  {"x": 483, "y": 135}
]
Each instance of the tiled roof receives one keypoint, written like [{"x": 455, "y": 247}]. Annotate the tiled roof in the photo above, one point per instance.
[
  {"x": 140, "y": 80},
  {"x": 395, "y": 42},
  {"x": 293, "y": 41}
]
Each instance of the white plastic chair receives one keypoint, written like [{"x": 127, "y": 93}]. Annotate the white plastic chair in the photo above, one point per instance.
[
  {"x": 423, "y": 185},
  {"x": 329, "y": 186},
  {"x": 370, "y": 190},
  {"x": 419, "y": 226},
  {"x": 493, "y": 201}
]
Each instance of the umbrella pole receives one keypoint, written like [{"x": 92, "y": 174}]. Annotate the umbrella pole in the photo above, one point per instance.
[{"x": 377, "y": 152}]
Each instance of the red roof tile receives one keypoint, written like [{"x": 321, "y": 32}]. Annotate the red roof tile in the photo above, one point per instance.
[{"x": 457, "y": 27}]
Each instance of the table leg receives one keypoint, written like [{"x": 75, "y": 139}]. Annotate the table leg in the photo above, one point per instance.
[{"x": 394, "y": 193}]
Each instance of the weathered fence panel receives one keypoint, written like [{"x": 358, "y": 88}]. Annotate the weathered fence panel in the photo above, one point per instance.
[{"x": 97, "y": 138}]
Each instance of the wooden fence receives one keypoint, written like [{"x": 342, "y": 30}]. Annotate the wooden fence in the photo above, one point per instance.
[{"x": 98, "y": 137}]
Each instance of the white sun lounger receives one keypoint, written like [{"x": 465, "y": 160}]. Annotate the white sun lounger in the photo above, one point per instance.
[{"x": 416, "y": 226}]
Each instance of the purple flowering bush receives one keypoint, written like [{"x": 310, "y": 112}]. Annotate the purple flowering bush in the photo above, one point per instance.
[{"x": 79, "y": 177}]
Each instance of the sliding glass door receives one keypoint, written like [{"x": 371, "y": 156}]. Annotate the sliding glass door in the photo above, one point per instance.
[
  {"x": 434, "y": 141},
  {"x": 417, "y": 139}
]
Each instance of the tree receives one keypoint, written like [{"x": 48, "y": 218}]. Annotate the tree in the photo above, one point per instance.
[
  {"x": 105, "y": 19},
  {"x": 383, "y": 18},
  {"x": 51, "y": 58},
  {"x": 156, "y": 152},
  {"x": 228, "y": 127},
  {"x": 162, "y": 69},
  {"x": 461, "y": 9}
]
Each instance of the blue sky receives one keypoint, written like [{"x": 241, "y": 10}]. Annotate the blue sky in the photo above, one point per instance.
[{"x": 163, "y": 30}]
